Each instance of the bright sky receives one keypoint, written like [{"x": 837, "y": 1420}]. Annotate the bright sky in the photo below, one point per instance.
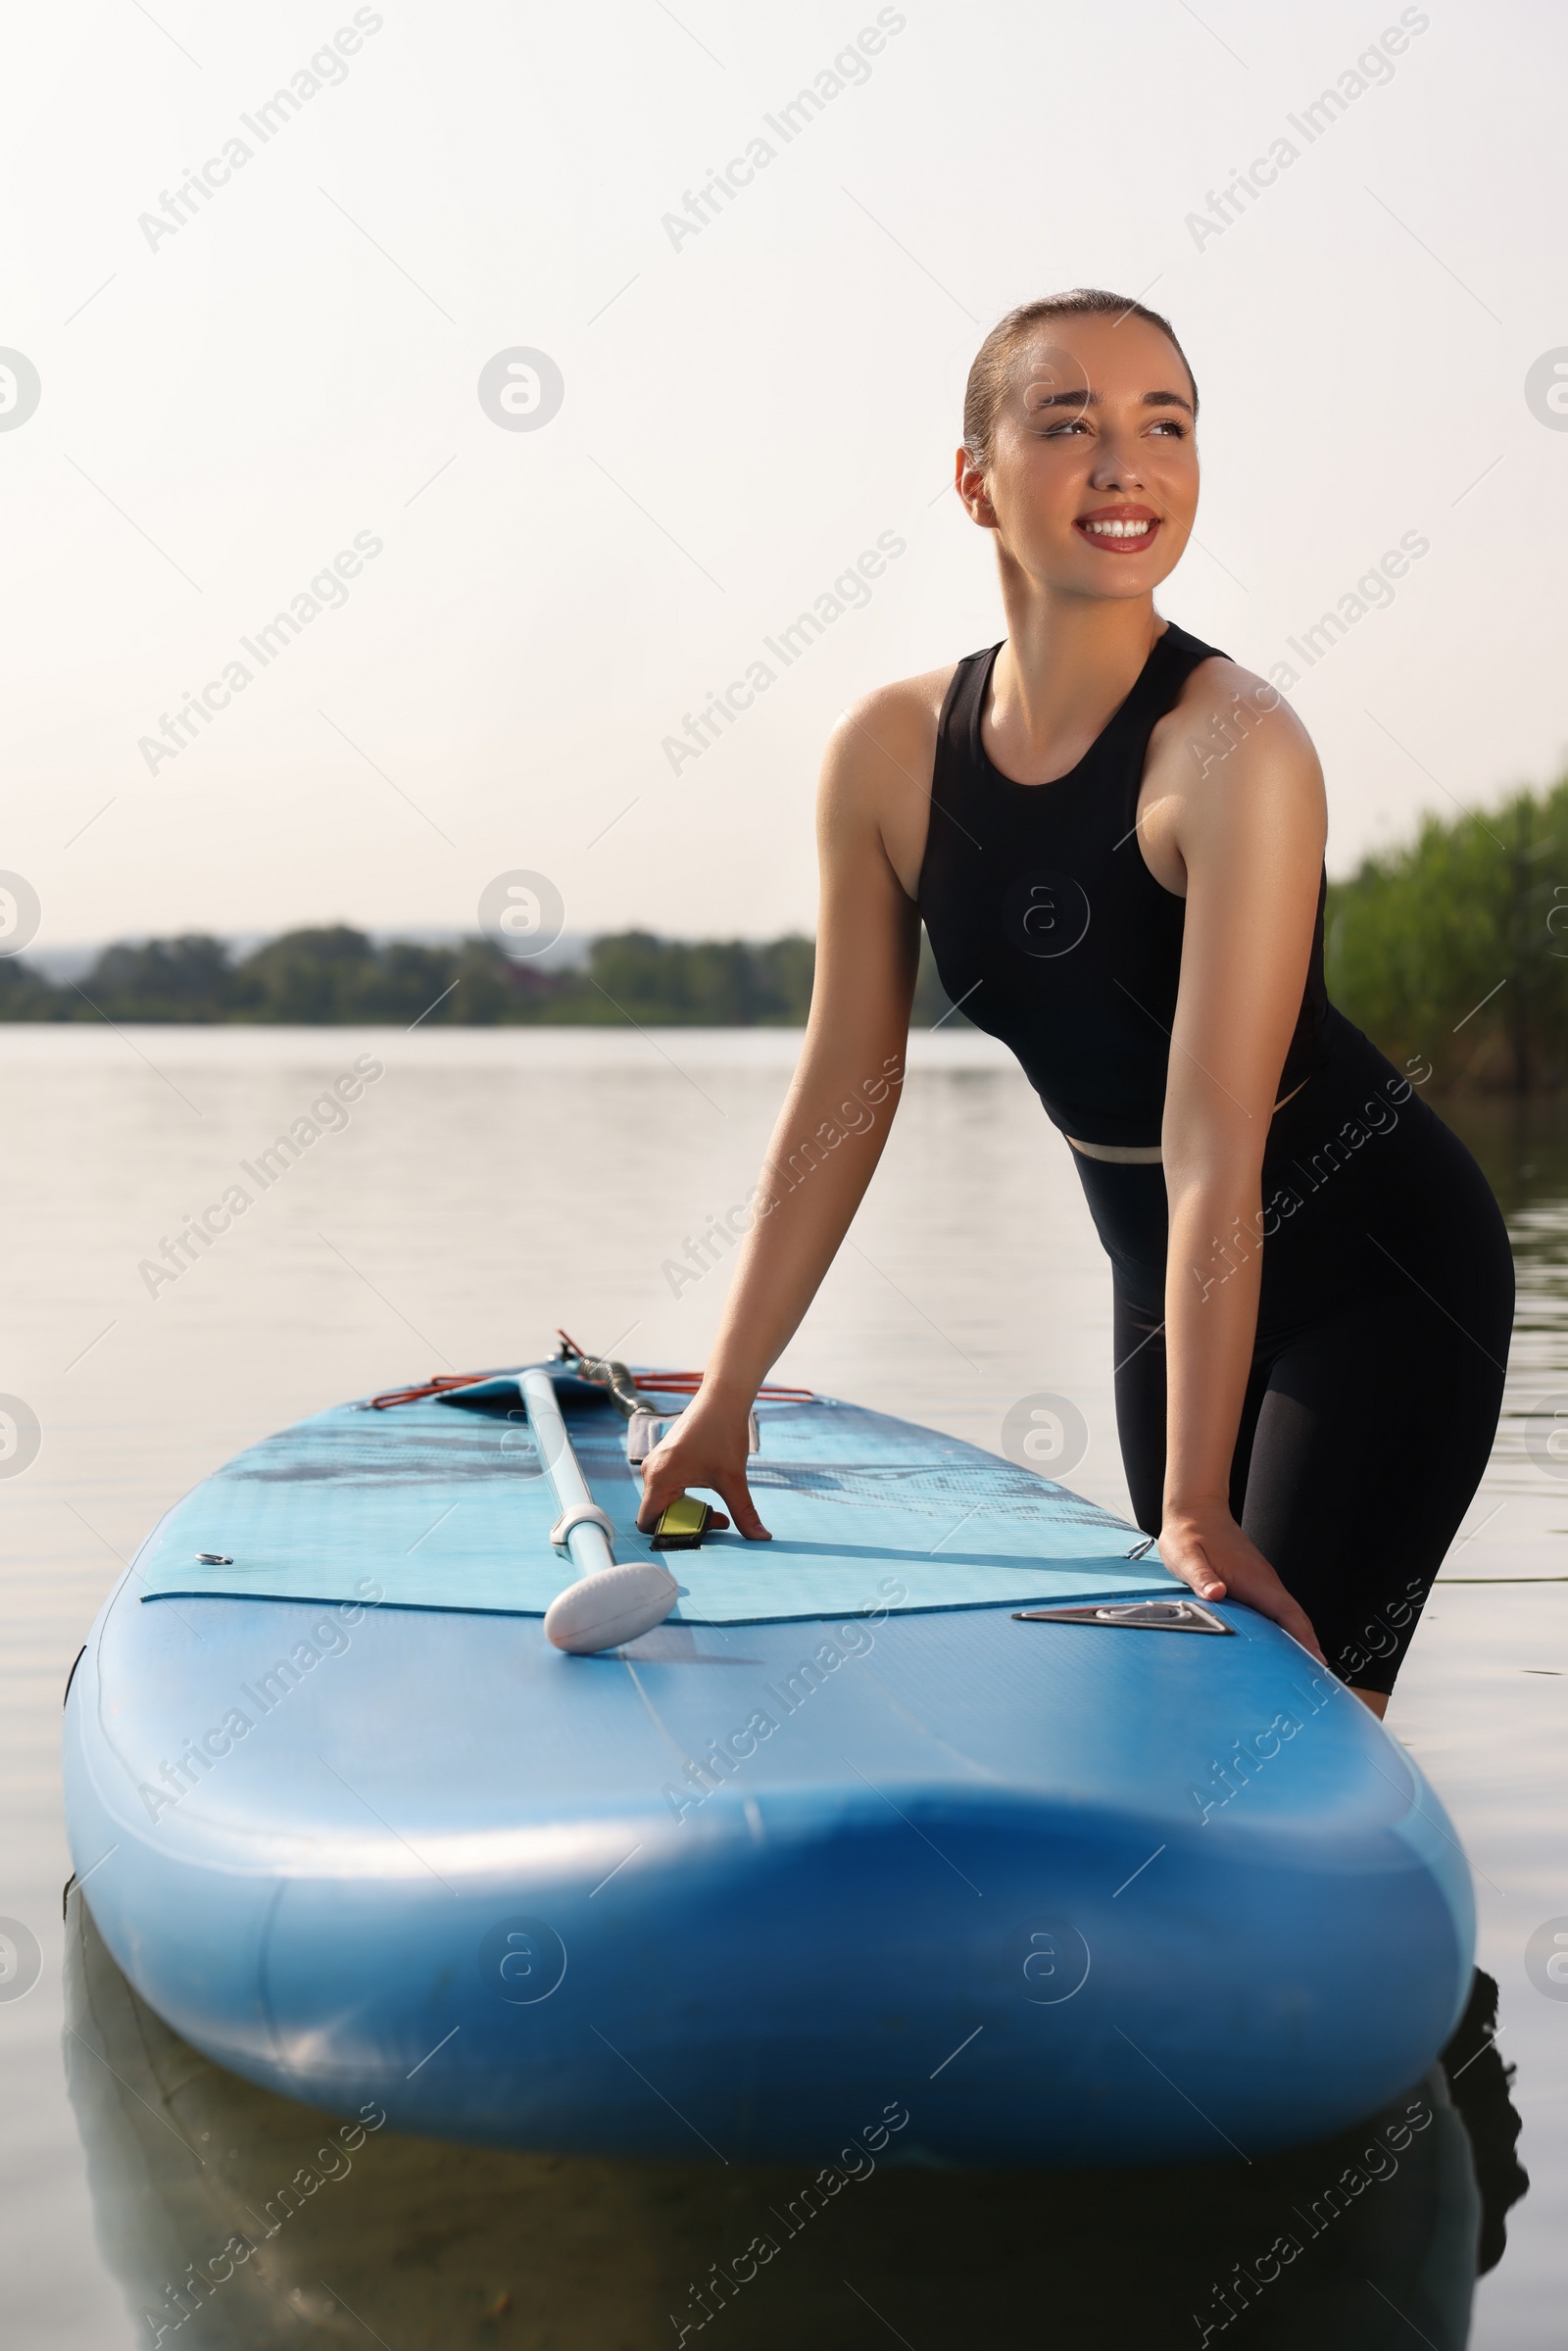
[{"x": 290, "y": 379}]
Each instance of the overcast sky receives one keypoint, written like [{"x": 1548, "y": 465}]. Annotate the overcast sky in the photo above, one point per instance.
[{"x": 239, "y": 387}]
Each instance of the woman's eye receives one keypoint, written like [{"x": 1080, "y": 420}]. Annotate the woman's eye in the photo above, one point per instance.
[
  {"x": 1172, "y": 425},
  {"x": 1070, "y": 424}
]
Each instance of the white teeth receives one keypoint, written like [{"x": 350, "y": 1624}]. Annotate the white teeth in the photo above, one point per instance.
[{"x": 1118, "y": 530}]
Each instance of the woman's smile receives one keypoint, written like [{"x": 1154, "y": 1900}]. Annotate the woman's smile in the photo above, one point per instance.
[{"x": 1118, "y": 529}]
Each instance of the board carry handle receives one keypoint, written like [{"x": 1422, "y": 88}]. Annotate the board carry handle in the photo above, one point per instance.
[
  {"x": 645, "y": 1428},
  {"x": 584, "y": 1525}
]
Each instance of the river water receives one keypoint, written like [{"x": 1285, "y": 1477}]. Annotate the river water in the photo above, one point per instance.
[{"x": 487, "y": 1186}]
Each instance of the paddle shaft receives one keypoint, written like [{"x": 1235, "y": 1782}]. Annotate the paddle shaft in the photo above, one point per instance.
[{"x": 586, "y": 1544}]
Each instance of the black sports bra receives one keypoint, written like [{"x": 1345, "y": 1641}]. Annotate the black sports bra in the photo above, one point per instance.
[{"x": 1049, "y": 928}]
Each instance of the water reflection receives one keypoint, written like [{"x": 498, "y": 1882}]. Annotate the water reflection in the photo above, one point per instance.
[{"x": 306, "y": 2228}]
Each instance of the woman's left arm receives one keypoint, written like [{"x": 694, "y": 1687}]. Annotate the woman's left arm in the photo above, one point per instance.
[{"x": 1249, "y": 828}]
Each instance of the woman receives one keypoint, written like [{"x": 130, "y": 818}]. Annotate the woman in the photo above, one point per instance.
[{"x": 1115, "y": 836}]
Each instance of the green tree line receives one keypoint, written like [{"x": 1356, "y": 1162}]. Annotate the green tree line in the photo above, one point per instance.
[
  {"x": 1455, "y": 948},
  {"x": 339, "y": 976}
]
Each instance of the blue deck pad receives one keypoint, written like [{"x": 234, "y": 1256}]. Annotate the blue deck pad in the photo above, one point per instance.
[{"x": 421, "y": 1506}]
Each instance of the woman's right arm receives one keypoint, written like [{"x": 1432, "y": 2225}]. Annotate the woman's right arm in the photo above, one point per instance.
[{"x": 840, "y": 1105}]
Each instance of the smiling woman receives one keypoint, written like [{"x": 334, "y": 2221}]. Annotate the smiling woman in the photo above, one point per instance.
[{"x": 1140, "y": 920}]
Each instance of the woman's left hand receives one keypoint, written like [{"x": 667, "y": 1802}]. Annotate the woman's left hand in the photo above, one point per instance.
[{"x": 1207, "y": 1549}]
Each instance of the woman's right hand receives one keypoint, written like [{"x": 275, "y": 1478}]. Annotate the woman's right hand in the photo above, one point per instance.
[{"x": 707, "y": 1445}]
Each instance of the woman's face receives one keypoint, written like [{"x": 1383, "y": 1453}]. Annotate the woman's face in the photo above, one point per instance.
[{"x": 1092, "y": 481}]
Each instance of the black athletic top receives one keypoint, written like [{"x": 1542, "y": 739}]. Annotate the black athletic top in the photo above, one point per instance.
[{"x": 1047, "y": 926}]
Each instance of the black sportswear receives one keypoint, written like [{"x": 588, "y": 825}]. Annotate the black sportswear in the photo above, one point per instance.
[{"x": 1387, "y": 1290}]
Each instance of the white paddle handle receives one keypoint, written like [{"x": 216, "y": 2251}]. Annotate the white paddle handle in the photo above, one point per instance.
[{"x": 587, "y": 1544}]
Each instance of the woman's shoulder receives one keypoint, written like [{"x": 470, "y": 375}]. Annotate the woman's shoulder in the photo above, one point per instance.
[
  {"x": 904, "y": 712},
  {"x": 887, "y": 735},
  {"x": 1215, "y": 681},
  {"x": 1230, "y": 772},
  {"x": 880, "y": 747},
  {"x": 1223, "y": 709}
]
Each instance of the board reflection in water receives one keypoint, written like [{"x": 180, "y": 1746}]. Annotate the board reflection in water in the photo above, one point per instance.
[{"x": 235, "y": 2218}]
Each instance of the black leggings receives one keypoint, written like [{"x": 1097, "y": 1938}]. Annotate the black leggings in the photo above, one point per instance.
[{"x": 1377, "y": 1376}]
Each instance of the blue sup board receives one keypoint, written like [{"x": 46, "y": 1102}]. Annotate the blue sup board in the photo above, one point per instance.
[{"x": 947, "y": 1816}]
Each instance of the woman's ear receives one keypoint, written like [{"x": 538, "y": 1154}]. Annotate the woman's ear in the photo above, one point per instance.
[{"x": 969, "y": 480}]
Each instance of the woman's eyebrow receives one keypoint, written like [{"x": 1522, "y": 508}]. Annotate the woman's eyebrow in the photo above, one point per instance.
[{"x": 1083, "y": 399}]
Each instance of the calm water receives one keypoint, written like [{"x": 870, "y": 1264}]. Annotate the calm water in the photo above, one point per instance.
[{"x": 488, "y": 1187}]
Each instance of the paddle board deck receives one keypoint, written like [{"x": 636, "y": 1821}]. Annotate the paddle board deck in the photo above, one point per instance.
[{"x": 852, "y": 1843}]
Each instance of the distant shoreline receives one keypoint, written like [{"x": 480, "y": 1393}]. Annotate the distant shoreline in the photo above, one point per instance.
[
  {"x": 1452, "y": 953},
  {"x": 339, "y": 977}
]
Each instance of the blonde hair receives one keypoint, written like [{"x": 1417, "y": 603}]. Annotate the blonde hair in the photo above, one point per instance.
[{"x": 987, "y": 386}]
